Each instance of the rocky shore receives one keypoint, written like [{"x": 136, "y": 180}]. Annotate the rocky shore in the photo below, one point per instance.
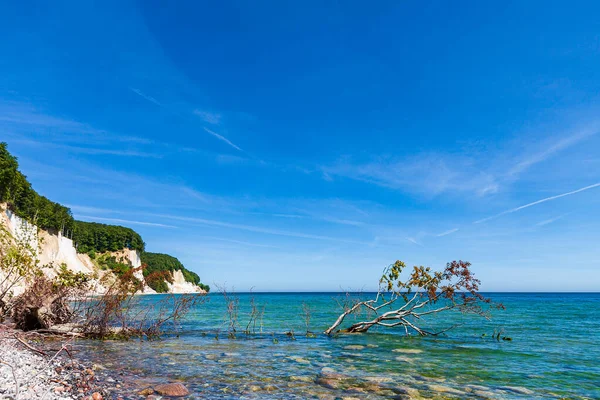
[{"x": 42, "y": 369}]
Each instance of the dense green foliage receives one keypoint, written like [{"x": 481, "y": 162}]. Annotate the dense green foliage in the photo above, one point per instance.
[
  {"x": 157, "y": 262},
  {"x": 25, "y": 202},
  {"x": 158, "y": 281},
  {"x": 92, "y": 236},
  {"x": 109, "y": 262}
]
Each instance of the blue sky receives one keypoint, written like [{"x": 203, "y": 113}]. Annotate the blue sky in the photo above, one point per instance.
[{"x": 306, "y": 145}]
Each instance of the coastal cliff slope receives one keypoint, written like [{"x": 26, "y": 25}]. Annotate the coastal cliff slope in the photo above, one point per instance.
[{"x": 101, "y": 251}]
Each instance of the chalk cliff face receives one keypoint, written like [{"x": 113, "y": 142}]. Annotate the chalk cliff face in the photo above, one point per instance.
[
  {"x": 55, "y": 250},
  {"x": 180, "y": 285}
]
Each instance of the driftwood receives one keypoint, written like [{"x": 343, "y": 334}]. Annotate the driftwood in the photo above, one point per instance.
[{"x": 24, "y": 343}]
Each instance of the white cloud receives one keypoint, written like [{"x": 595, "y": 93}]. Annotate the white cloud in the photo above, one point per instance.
[
  {"x": 211, "y": 118},
  {"x": 145, "y": 96},
  {"x": 538, "y": 202},
  {"x": 448, "y": 232},
  {"x": 125, "y": 221},
  {"x": 550, "y": 220},
  {"x": 413, "y": 241},
  {"x": 550, "y": 150},
  {"x": 429, "y": 174},
  {"x": 222, "y": 138},
  {"x": 470, "y": 171},
  {"x": 258, "y": 229}
]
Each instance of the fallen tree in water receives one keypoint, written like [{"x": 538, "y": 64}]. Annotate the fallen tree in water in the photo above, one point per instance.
[{"x": 404, "y": 302}]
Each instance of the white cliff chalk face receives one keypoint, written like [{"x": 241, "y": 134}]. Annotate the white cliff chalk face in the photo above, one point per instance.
[
  {"x": 55, "y": 250},
  {"x": 180, "y": 285}
]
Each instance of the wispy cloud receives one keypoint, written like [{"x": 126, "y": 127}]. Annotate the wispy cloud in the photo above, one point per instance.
[
  {"x": 145, "y": 96},
  {"x": 240, "y": 242},
  {"x": 551, "y": 149},
  {"x": 258, "y": 229},
  {"x": 88, "y": 150},
  {"x": 550, "y": 220},
  {"x": 413, "y": 241},
  {"x": 210, "y": 117},
  {"x": 448, "y": 232},
  {"x": 222, "y": 138},
  {"x": 125, "y": 221},
  {"x": 429, "y": 174},
  {"x": 513, "y": 210},
  {"x": 467, "y": 171}
]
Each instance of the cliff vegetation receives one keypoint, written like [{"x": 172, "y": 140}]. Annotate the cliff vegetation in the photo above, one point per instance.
[{"x": 91, "y": 238}]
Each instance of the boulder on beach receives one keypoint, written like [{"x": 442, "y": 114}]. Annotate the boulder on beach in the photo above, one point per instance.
[{"x": 172, "y": 390}]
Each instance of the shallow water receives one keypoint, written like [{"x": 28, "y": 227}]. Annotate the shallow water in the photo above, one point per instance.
[{"x": 554, "y": 352}]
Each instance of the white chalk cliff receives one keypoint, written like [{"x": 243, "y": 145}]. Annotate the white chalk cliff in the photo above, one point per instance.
[{"x": 55, "y": 250}]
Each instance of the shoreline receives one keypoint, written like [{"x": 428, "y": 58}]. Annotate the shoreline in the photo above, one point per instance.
[{"x": 45, "y": 368}]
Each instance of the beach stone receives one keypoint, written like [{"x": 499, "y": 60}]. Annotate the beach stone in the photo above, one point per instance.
[
  {"x": 146, "y": 392},
  {"x": 172, "y": 389}
]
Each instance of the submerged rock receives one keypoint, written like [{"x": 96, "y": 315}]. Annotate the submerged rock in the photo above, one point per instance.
[
  {"x": 330, "y": 383},
  {"x": 299, "y": 360},
  {"x": 445, "y": 389},
  {"x": 517, "y": 389},
  {"x": 299, "y": 378},
  {"x": 327, "y": 372},
  {"x": 172, "y": 389},
  {"x": 354, "y": 347},
  {"x": 407, "y": 351}
]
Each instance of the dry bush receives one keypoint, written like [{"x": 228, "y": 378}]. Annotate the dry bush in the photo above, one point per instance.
[{"x": 118, "y": 313}]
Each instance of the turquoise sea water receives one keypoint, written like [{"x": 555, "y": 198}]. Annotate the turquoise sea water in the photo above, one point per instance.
[{"x": 554, "y": 352}]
